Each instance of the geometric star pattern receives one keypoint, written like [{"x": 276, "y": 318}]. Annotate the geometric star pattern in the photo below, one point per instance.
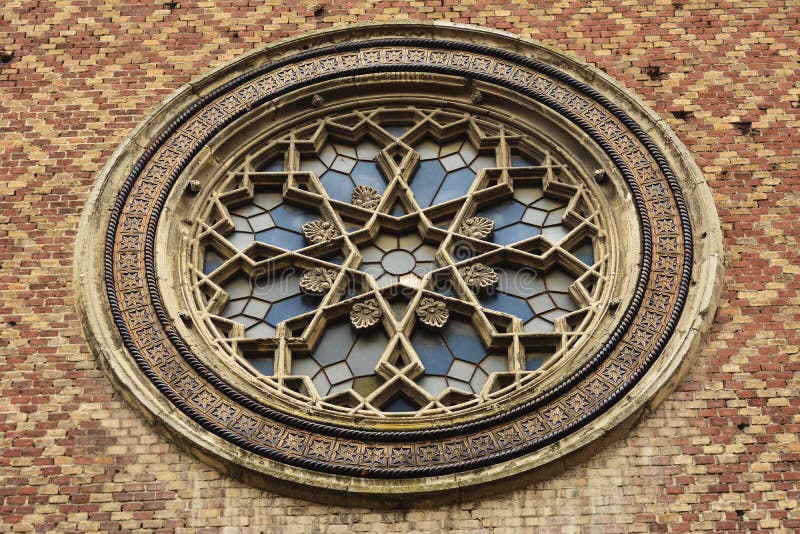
[{"x": 289, "y": 209}]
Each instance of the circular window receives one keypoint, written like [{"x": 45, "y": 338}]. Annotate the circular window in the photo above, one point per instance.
[
  {"x": 407, "y": 260},
  {"x": 403, "y": 261}
]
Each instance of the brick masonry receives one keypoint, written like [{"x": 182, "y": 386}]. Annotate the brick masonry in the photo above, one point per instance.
[{"x": 721, "y": 453}]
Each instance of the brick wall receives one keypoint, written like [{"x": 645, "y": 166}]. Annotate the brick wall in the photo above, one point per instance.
[{"x": 720, "y": 454}]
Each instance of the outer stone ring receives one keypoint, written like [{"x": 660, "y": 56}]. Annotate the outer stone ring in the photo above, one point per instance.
[{"x": 212, "y": 186}]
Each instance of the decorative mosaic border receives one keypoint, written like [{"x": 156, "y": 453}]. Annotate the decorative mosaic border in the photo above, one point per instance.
[{"x": 642, "y": 332}]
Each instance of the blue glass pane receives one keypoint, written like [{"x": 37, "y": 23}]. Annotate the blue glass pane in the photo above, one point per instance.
[
  {"x": 265, "y": 366},
  {"x": 434, "y": 385},
  {"x": 464, "y": 341},
  {"x": 334, "y": 344},
  {"x": 532, "y": 364},
  {"x": 555, "y": 233},
  {"x": 400, "y": 403},
  {"x": 353, "y": 290},
  {"x": 398, "y": 210},
  {"x": 248, "y": 210},
  {"x": 455, "y": 185},
  {"x": 275, "y": 165},
  {"x": 458, "y": 384},
  {"x": 398, "y": 308},
  {"x": 291, "y": 307},
  {"x": 279, "y": 237},
  {"x": 367, "y": 173},
  {"x": 396, "y": 131},
  {"x": 234, "y": 307},
  {"x": 426, "y": 181},
  {"x": 443, "y": 287},
  {"x": 535, "y": 358},
  {"x": 585, "y": 253},
  {"x": 366, "y": 353},
  {"x": 462, "y": 251},
  {"x": 522, "y": 282},
  {"x": 291, "y": 217},
  {"x": 504, "y": 213},
  {"x": 508, "y": 304},
  {"x": 321, "y": 383},
  {"x": 514, "y": 233},
  {"x": 212, "y": 262},
  {"x": 564, "y": 301},
  {"x": 339, "y": 374},
  {"x": 432, "y": 351},
  {"x": 461, "y": 370},
  {"x": 338, "y": 185},
  {"x": 267, "y": 199},
  {"x": 518, "y": 160}
]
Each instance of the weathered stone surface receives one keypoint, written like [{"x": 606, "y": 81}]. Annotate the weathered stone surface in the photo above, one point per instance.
[
  {"x": 432, "y": 313},
  {"x": 718, "y": 454},
  {"x": 365, "y": 315}
]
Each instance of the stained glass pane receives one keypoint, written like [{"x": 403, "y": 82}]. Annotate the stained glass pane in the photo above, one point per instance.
[
  {"x": 393, "y": 258},
  {"x": 212, "y": 261},
  {"x": 426, "y": 181},
  {"x": 400, "y": 403}
]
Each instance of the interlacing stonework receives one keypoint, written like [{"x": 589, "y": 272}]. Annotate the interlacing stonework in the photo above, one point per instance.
[
  {"x": 419, "y": 177},
  {"x": 293, "y": 208}
]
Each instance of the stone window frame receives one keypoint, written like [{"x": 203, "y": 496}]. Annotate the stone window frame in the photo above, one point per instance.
[
  {"x": 661, "y": 319},
  {"x": 555, "y": 179}
]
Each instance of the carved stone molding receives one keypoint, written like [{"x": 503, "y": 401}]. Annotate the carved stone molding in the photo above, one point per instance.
[
  {"x": 365, "y": 315},
  {"x": 317, "y": 281},
  {"x": 475, "y": 198},
  {"x": 432, "y": 313},
  {"x": 319, "y": 231},
  {"x": 365, "y": 197},
  {"x": 477, "y": 227},
  {"x": 478, "y": 276}
]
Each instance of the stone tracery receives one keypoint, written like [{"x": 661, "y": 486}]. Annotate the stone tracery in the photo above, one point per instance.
[
  {"x": 228, "y": 369},
  {"x": 379, "y": 212}
]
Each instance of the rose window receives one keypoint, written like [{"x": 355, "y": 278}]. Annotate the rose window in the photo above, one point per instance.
[{"x": 399, "y": 260}]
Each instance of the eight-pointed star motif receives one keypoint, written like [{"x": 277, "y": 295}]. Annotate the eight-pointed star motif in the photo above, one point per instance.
[{"x": 405, "y": 243}]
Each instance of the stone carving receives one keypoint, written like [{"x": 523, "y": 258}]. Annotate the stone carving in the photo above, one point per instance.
[
  {"x": 319, "y": 231},
  {"x": 600, "y": 176},
  {"x": 431, "y": 310},
  {"x": 366, "y": 197},
  {"x": 194, "y": 186},
  {"x": 478, "y": 276},
  {"x": 365, "y": 315},
  {"x": 477, "y": 227},
  {"x": 432, "y": 313},
  {"x": 317, "y": 100},
  {"x": 317, "y": 281}
]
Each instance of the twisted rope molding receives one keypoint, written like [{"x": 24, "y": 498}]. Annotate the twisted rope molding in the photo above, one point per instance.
[{"x": 366, "y": 436}]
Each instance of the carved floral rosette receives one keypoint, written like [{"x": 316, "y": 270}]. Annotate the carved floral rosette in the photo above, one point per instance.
[
  {"x": 477, "y": 227},
  {"x": 365, "y": 197},
  {"x": 478, "y": 276},
  {"x": 365, "y": 315},
  {"x": 319, "y": 231},
  {"x": 317, "y": 281},
  {"x": 372, "y": 458},
  {"x": 432, "y": 313}
]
